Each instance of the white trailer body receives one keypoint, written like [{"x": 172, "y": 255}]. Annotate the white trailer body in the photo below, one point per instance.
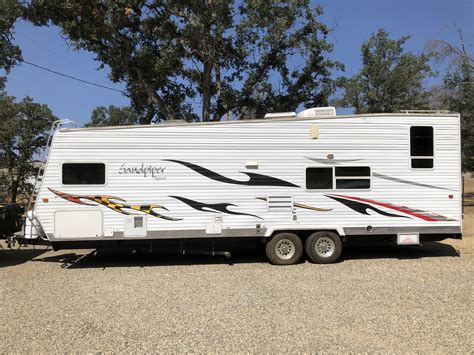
[{"x": 358, "y": 175}]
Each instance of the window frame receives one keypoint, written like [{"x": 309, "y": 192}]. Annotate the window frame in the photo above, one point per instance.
[
  {"x": 369, "y": 177},
  {"x": 84, "y": 162},
  {"x": 410, "y": 157}
]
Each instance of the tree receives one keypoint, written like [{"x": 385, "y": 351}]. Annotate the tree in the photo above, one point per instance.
[
  {"x": 23, "y": 125},
  {"x": 293, "y": 67},
  {"x": 256, "y": 55},
  {"x": 24, "y": 128},
  {"x": 114, "y": 116},
  {"x": 456, "y": 54},
  {"x": 459, "y": 97},
  {"x": 390, "y": 80},
  {"x": 457, "y": 91},
  {"x": 10, "y": 54}
]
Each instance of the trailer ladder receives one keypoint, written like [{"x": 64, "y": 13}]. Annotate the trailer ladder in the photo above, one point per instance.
[{"x": 34, "y": 222}]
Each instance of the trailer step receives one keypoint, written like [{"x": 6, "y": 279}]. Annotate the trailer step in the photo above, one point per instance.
[{"x": 29, "y": 241}]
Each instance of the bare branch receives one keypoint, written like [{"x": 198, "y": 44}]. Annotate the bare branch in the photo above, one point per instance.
[{"x": 456, "y": 54}]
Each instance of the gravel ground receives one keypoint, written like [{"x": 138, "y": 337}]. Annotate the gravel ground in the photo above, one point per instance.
[{"x": 378, "y": 299}]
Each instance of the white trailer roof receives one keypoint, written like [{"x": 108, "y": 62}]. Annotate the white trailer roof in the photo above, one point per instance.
[{"x": 329, "y": 117}]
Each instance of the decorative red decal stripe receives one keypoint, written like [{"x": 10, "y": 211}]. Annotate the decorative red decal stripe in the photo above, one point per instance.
[{"x": 427, "y": 216}]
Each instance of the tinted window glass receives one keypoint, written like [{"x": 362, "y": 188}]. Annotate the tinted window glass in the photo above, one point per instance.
[
  {"x": 353, "y": 184},
  {"x": 83, "y": 174},
  {"x": 421, "y": 145},
  {"x": 319, "y": 178},
  {"x": 422, "y": 163},
  {"x": 421, "y": 141},
  {"x": 353, "y": 171}
]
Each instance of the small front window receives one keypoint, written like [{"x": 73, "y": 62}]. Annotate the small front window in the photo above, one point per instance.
[
  {"x": 421, "y": 147},
  {"x": 83, "y": 174}
]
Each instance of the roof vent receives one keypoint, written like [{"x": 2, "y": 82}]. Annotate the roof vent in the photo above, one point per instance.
[
  {"x": 281, "y": 115},
  {"x": 171, "y": 122},
  {"x": 317, "y": 112}
]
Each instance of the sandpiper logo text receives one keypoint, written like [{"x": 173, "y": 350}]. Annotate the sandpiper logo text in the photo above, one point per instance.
[{"x": 145, "y": 170}]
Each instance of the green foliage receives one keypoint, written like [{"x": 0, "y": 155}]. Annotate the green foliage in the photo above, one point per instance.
[
  {"x": 460, "y": 85},
  {"x": 457, "y": 91},
  {"x": 254, "y": 55},
  {"x": 24, "y": 127},
  {"x": 10, "y": 54},
  {"x": 390, "y": 79},
  {"x": 113, "y": 116},
  {"x": 457, "y": 94},
  {"x": 285, "y": 57}
]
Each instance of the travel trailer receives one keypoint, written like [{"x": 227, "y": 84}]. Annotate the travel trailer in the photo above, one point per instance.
[{"x": 298, "y": 183}]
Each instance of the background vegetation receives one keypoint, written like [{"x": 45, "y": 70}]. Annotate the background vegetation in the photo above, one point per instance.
[{"x": 243, "y": 58}]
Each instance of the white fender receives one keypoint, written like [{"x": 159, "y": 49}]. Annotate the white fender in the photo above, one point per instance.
[{"x": 315, "y": 227}]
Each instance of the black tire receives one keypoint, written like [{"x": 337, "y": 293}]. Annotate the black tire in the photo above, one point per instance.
[
  {"x": 284, "y": 249},
  {"x": 323, "y": 247}
]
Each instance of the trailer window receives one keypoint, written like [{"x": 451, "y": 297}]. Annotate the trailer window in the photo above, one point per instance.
[
  {"x": 421, "y": 147},
  {"x": 352, "y": 177},
  {"x": 319, "y": 178},
  {"x": 83, "y": 174}
]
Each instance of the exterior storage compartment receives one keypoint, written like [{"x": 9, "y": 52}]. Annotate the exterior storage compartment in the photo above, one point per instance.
[{"x": 78, "y": 224}]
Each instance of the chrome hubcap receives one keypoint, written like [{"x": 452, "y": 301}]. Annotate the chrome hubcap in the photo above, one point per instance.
[
  {"x": 285, "y": 249},
  {"x": 325, "y": 247}
]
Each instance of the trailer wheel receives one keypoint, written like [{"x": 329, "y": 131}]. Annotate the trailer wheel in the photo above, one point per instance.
[
  {"x": 284, "y": 249},
  {"x": 323, "y": 247}
]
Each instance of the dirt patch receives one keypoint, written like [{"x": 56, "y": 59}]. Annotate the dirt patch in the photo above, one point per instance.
[{"x": 468, "y": 222}]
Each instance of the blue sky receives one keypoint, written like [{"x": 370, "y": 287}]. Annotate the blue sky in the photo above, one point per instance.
[{"x": 355, "y": 21}]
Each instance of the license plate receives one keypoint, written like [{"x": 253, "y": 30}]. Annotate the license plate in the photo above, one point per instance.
[{"x": 408, "y": 239}]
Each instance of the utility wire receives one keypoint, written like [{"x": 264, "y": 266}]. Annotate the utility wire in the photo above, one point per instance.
[
  {"x": 72, "y": 77},
  {"x": 108, "y": 87},
  {"x": 90, "y": 82}
]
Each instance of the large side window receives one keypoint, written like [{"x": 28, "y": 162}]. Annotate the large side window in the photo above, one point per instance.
[
  {"x": 353, "y": 177},
  {"x": 338, "y": 178},
  {"x": 421, "y": 147},
  {"x": 319, "y": 178},
  {"x": 83, "y": 174}
]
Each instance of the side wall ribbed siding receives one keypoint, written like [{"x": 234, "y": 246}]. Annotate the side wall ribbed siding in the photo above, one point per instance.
[{"x": 283, "y": 150}]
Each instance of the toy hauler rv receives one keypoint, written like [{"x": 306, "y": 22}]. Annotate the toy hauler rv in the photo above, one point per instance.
[{"x": 298, "y": 183}]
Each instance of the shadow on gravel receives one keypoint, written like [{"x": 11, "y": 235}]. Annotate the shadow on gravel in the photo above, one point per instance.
[
  {"x": 106, "y": 258},
  {"x": 19, "y": 256},
  {"x": 391, "y": 251}
]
